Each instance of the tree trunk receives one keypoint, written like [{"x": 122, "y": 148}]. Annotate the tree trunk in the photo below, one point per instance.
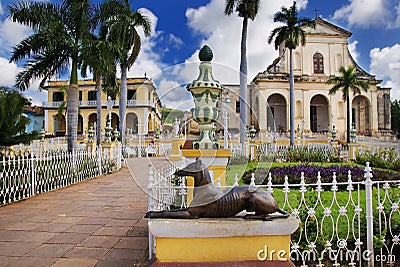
[
  {"x": 348, "y": 119},
  {"x": 243, "y": 82},
  {"x": 123, "y": 95},
  {"x": 72, "y": 108},
  {"x": 291, "y": 99},
  {"x": 98, "y": 110}
]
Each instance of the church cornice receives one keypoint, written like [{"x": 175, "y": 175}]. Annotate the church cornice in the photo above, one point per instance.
[{"x": 339, "y": 30}]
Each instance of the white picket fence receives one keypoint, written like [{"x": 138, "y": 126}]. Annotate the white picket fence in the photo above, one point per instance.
[
  {"x": 29, "y": 174},
  {"x": 360, "y": 227}
]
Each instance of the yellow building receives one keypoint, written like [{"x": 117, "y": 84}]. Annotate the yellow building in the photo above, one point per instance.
[{"x": 143, "y": 114}]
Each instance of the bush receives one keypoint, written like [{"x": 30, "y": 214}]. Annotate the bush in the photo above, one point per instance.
[
  {"x": 383, "y": 158},
  {"x": 311, "y": 172}
]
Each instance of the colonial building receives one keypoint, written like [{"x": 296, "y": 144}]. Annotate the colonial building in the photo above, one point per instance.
[
  {"x": 326, "y": 50},
  {"x": 143, "y": 115}
]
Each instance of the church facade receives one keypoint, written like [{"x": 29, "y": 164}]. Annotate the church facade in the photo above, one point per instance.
[{"x": 316, "y": 111}]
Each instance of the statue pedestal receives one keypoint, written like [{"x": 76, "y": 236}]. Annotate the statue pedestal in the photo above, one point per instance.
[
  {"x": 230, "y": 240},
  {"x": 176, "y": 150},
  {"x": 108, "y": 150},
  {"x": 353, "y": 150},
  {"x": 91, "y": 148},
  {"x": 251, "y": 151},
  {"x": 215, "y": 160}
]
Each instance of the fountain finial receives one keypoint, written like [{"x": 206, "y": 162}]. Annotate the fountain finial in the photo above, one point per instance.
[{"x": 205, "y": 53}]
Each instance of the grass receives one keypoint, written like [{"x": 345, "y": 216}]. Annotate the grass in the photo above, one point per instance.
[{"x": 322, "y": 228}]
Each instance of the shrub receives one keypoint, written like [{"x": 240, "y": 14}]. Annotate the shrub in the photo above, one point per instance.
[
  {"x": 311, "y": 172},
  {"x": 383, "y": 158}
]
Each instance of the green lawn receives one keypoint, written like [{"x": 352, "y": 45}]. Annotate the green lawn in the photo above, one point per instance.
[{"x": 334, "y": 225}]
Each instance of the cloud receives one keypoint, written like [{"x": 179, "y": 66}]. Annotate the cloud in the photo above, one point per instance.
[
  {"x": 223, "y": 34},
  {"x": 353, "y": 50},
  {"x": 367, "y": 13},
  {"x": 11, "y": 33},
  {"x": 385, "y": 64},
  {"x": 8, "y": 72}
]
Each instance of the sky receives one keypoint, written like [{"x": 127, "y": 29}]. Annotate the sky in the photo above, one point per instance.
[{"x": 181, "y": 27}]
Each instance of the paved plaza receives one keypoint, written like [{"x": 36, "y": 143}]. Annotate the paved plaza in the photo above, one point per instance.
[{"x": 94, "y": 223}]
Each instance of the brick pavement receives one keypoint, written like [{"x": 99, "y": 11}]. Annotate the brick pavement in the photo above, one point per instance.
[{"x": 94, "y": 223}]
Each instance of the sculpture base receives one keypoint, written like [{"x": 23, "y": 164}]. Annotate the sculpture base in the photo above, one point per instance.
[
  {"x": 219, "y": 241},
  {"x": 225, "y": 264}
]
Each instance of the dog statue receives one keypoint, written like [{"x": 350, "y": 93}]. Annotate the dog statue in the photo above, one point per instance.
[{"x": 211, "y": 202}]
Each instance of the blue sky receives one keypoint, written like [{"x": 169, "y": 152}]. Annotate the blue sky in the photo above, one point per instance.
[{"x": 181, "y": 27}]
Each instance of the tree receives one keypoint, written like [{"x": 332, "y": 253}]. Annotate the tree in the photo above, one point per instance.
[
  {"x": 291, "y": 35},
  {"x": 395, "y": 116},
  {"x": 99, "y": 57},
  {"x": 119, "y": 25},
  {"x": 12, "y": 120},
  {"x": 54, "y": 48},
  {"x": 348, "y": 80},
  {"x": 247, "y": 9}
]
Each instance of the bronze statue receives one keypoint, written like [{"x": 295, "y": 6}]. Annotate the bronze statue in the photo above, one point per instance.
[{"x": 211, "y": 202}]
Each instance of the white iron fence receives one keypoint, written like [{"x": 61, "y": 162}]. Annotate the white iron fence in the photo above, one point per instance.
[
  {"x": 341, "y": 223},
  {"x": 30, "y": 174}
]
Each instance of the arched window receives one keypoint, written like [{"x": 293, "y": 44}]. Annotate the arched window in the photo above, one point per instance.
[{"x": 318, "y": 61}]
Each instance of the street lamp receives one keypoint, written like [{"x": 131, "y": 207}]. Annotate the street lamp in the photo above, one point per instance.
[{"x": 225, "y": 116}]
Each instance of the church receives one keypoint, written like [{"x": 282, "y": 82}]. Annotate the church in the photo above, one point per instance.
[{"x": 316, "y": 111}]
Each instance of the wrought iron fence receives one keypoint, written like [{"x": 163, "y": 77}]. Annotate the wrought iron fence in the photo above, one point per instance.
[
  {"x": 341, "y": 223},
  {"x": 30, "y": 174}
]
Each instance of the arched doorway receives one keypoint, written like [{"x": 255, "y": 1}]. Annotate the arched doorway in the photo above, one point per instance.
[
  {"x": 59, "y": 125},
  {"x": 92, "y": 119},
  {"x": 132, "y": 122},
  {"x": 114, "y": 121},
  {"x": 254, "y": 114},
  {"x": 319, "y": 114},
  {"x": 149, "y": 124},
  {"x": 80, "y": 124},
  {"x": 276, "y": 113},
  {"x": 360, "y": 115}
]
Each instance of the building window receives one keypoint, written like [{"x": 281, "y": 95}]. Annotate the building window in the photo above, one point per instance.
[
  {"x": 80, "y": 95},
  {"x": 318, "y": 61},
  {"x": 58, "y": 97},
  {"x": 237, "y": 107},
  {"x": 131, "y": 94},
  {"x": 92, "y": 96}
]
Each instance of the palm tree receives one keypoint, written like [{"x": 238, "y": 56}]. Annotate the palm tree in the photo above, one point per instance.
[
  {"x": 348, "y": 80},
  {"x": 291, "y": 35},
  {"x": 247, "y": 9},
  {"x": 120, "y": 24},
  {"x": 99, "y": 57},
  {"x": 54, "y": 47}
]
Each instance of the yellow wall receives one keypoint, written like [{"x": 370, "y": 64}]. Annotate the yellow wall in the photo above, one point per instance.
[{"x": 143, "y": 86}]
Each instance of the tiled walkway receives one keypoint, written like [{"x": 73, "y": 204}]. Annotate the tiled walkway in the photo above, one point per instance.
[{"x": 95, "y": 223}]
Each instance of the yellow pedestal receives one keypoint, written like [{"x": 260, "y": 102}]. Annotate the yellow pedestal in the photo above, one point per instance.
[
  {"x": 222, "y": 240},
  {"x": 215, "y": 160},
  {"x": 107, "y": 150},
  {"x": 176, "y": 150},
  {"x": 353, "y": 150}
]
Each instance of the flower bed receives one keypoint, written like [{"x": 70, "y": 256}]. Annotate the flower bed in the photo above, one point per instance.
[{"x": 293, "y": 172}]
